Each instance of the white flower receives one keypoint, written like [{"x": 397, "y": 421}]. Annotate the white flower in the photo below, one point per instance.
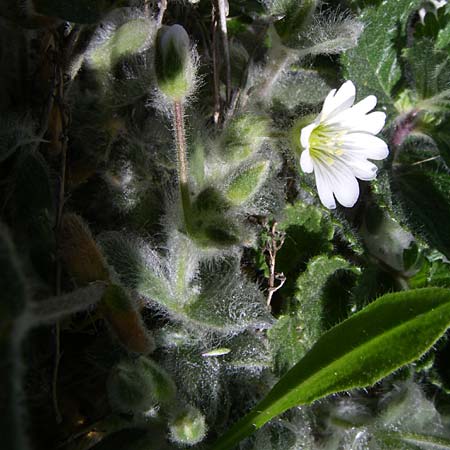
[
  {"x": 431, "y": 5},
  {"x": 339, "y": 142}
]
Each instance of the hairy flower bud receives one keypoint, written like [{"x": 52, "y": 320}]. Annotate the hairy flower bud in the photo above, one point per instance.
[
  {"x": 189, "y": 427},
  {"x": 174, "y": 64}
]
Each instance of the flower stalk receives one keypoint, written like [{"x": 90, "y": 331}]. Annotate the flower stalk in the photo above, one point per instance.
[{"x": 182, "y": 163}]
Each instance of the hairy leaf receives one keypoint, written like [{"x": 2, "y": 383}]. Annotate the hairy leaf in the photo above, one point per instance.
[
  {"x": 394, "y": 330},
  {"x": 374, "y": 64}
]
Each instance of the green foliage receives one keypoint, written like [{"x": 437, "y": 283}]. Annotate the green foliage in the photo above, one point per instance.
[
  {"x": 301, "y": 86},
  {"x": 353, "y": 354},
  {"x": 150, "y": 185},
  {"x": 246, "y": 182},
  {"x": 374, "y": 65},
  {"x": 138, "y": 267},
  {"x": 308, "y": 233},
  {"x": 130, "y": 38},
  {"x": 295, "y": 17},
  {"x": 138, "y": 385},
  {"x": 429, "y": 68},
  {"x": 285, "y": 343},
  {"x": 310, "y": 296},
  {"x": 419, "y": 191},
  {"x": 243, "y": 136},
  {"x": 443, "y": 40}
]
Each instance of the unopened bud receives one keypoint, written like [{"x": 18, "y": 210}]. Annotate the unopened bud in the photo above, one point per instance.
[
  {"x": 189, "y": 427},
  {"x": 174, "y": 65},
  {"x": 137, "y": 385}
]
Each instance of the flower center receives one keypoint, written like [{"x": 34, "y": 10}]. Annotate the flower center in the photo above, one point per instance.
[{"x": 325, "y": 143}]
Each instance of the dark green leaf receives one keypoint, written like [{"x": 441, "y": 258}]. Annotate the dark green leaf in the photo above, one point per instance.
[{"x": 374, "y": 64}]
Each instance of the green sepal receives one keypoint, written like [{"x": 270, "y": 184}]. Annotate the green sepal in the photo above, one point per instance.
[
  {"x": 128, "y": 39},
  {"x": 246, "y": 182}
]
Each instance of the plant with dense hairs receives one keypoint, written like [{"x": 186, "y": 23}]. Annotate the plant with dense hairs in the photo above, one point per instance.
[{"x": 172, "y": 277}]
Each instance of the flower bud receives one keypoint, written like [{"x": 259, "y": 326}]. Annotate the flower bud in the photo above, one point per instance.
[
  {"x": 189, "y": 427},
  {"x": 174, "y": 65},
  {"x": 243, "y": 137},
  {"x": 137, "y": 385}
]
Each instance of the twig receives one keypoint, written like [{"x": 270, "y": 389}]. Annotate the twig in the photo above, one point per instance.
[
  {"x": 58, "y": 99},
  {"x": 273, "y": 245},
  {"x": 216, "y": 68},
  {"x": 223, "y": 13}
]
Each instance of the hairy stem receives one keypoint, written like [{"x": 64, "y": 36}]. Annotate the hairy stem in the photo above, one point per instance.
[
  {"x": 277, "y": 65},
  {"x": 182, "y": 163}
]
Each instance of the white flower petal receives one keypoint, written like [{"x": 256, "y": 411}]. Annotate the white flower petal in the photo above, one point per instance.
[
  {"x": 344, "y": 185},
  {"x": 305, "y": 134},
  {"x": 306, "y": 162},
  {"x": 324, "y": 186},
  {"x": 365, "y": 105},
  {"x": 342, "y": 100},
  {"x": 362, "y": 169},
  {"x": 365, "y": 144},
  {"x": 372, "y": 123},
  {"x": 328, "y": 103}
]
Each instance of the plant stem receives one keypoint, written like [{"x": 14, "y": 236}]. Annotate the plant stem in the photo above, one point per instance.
[
  {"x": 182, "y": 163},
  {"x": 278, "y": 63},
  {"x": 226, "y": 49}
]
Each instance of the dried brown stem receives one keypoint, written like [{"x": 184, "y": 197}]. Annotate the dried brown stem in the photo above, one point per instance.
[{"x": 273, "y": 245}]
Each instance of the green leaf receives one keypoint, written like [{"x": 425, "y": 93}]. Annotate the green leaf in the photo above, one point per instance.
[
  {"x": 435, "y": 273},
  {"x": 374, "y": 65},
  {"x": 137, "y": 267},
  {"x": 247, "y": 182},
  {"x": 284, "y": 338},
  {"x": 308, "y": 233},
  {"x": 443, "y": 39},
  {"x": 295, "y": 17},
  {"x": 424, "y": 198},
  {"x": 129, "y": 38},
  {"x": 394, "y": 330},
  {"x": 309, "y": 293},
  {"x": 430, "y": 68},
  {"x": 301, "y": 87}
]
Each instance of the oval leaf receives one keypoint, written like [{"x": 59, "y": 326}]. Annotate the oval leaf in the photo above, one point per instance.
[{"x": 394, "y": 330}]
